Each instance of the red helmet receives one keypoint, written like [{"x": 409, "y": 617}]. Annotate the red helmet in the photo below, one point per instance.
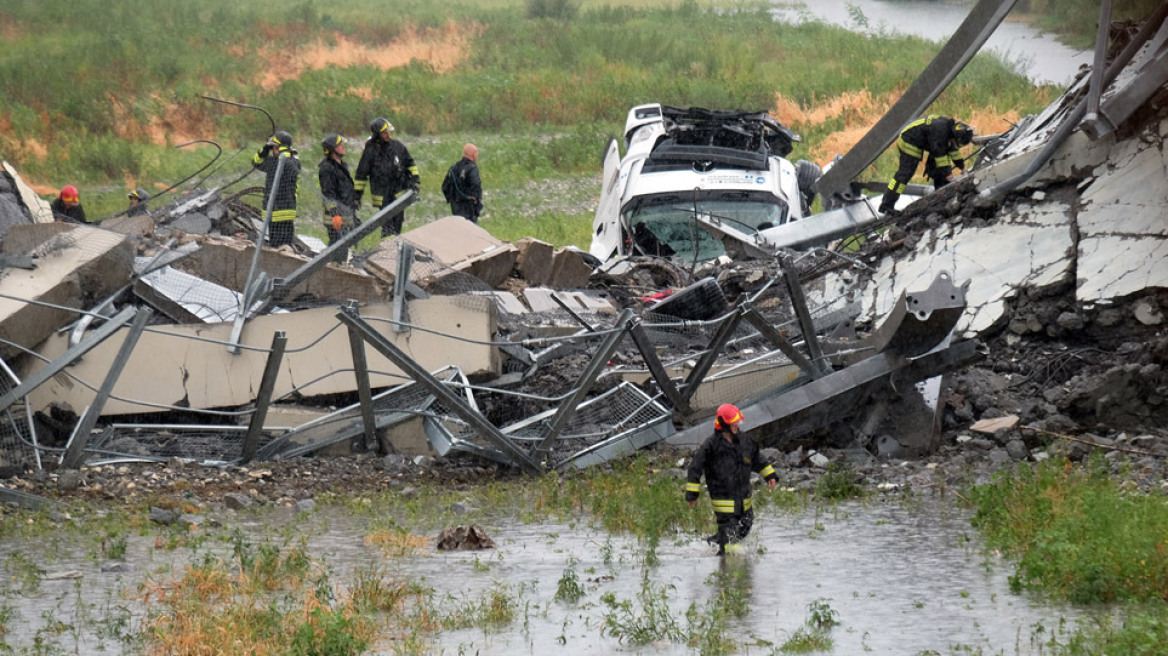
[
  {"x": 727, "y": 416},
  {"x": 69, "y": 194}
]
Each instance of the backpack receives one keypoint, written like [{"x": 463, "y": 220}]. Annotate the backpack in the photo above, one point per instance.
[{"x": 449, "y": 189}]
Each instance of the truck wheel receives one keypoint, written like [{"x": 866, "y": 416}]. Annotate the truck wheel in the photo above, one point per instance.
[{"x": 807, "y": 174}]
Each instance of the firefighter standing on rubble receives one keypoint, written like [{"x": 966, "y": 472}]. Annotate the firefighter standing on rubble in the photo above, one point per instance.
[
  {"x": 338, "y": 193},
  {"x": 942, "y": 138},
  {"x": 67, "y": 206},
  {"x": 387, "y": 169},
  {"x": 726, "y": 459},
  {"x": 138, "y": 199},
  {"x": 278, "y": 147}
]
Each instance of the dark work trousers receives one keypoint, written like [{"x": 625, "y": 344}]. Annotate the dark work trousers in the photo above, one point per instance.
[
  {"x": 733, "y": 527},
  {"x": 282, "y": 233}
]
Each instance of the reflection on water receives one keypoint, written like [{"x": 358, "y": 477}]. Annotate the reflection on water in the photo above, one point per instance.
[
  {"x": 900, "y": 581},
  {"x": 1044, "y": 59}
]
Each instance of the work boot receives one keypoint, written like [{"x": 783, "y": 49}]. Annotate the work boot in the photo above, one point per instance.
[{"x": 713, "y": 539}]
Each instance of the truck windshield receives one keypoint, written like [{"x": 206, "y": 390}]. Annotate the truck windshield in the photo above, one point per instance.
[{"x": 669, "y": 229}]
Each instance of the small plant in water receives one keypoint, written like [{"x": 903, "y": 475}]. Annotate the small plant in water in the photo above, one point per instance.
[
  {"x": 815, "y": 634},
  {"x": 569, "y": 588},
  {"x": 838, "y": 483}
]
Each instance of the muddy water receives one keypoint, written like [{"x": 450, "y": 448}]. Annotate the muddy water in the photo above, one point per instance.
[
  {"x": 1042, "y": 57},
  {"x": 901, "y": 580}
]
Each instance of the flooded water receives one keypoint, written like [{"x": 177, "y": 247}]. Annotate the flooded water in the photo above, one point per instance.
[
  {"x": 898, "y": 579},
  {"x": 1043, "y": 58}
]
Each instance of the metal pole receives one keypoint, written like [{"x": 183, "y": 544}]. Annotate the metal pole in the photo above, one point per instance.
[
  {"x": 267, "y": 384},
  {"x": 67, "y": 358},
  {"x": 364, "y": 391},
  {"x": 75, "y": 452},
  {"x": 664, "y": 382},
  {"x": 435, "y": 387},
  {"x": 1100, "y": 62},
  {"x": 564, "y": 306},
  {"x": 694, "y": 380},
  {"x": 250, "y": 294},
  {"x": 771, "y": 334},
  {"x": 587, "y": 378},
  {"x": 405, "y": 260},
  {"x": 799, "y": 302}
]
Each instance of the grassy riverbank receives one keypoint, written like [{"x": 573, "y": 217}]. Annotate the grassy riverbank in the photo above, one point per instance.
[
  {"x": 100, "y": 96},
  {"x": 1079, "y": 534}
]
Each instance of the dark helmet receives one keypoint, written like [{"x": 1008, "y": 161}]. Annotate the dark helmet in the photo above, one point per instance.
[
  {"x": 281, "y": 139},
  {"x": 962, "y": 133},
  {"x": 331, "y": 142},
  {"x": 139, "y": 193},
  {"x": 379, "y": 125}
]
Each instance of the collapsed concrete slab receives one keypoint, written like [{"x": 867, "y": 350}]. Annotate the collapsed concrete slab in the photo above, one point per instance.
[
  {"x": 131, "y": 226},
  {"x": 226, "y": 262},
  {"x": 37, "y": 207},
  {"x": 76, "y": 266},
  {"x": 569, "y": 270},
  {"x": 451, "y": 244},
  {"x": 182, "y": 365},
  {"x": 535, "y": 260}
]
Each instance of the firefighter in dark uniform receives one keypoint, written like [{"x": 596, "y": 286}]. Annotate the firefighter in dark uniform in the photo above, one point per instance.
[
  {"x": 337, "y": 192},
  {"x": 67, "y": 206},
  {"x": 726, "y": 459},
  {"x": 138, "y": 199},
  {"x": 387, "y": 169},
  {"x": 279, "y": 147},
  {"x": 462, "y": 187},
  {"x": 942, "y": 138}
]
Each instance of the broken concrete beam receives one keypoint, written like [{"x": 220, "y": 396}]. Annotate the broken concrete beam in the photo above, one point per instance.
[
  {"x": 539, "y": 299},
  {"x": 38, "y": 208},
  {"x": 569, "y": 270},
  {"x": 444, "y": 246},
  {"x": 170, "y": 367},
  {"x": 131, "y": 226},
  {"x": 408, "y": 437},
  {"x": 535, "y": 260},
  {"x": 76, "y": 266},
  {"x": 226, "y": 262},
  {"x": 505, "y": 302}
]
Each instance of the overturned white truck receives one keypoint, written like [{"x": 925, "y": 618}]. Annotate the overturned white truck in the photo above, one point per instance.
[{"x": 695, "y": 184}]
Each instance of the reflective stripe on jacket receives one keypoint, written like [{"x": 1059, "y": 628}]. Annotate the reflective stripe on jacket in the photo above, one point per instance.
[{"x": 726, "y": 467}]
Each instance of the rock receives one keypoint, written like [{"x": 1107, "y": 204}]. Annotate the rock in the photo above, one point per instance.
[
  {"x": 305, "y": 505},
  {"x": 819, "y": 460},
  {"x": 460, "y": 508},
  {"x": 237, "y": 501},
  {"x": 409, "y": 492},
  {"x": 1147, "y": 313},
  {"x": 999, "y": 457},
  {"x": 189, "y": 519},
  {"x": 992, "y": 425},
  {"x": 1070, "y": 321},
  {"x": 425, "y": 462},
  {"x": 163, "y": 516},
  {"x": 1017, "y": 449},
  {"x": 114, "y": 567},
  {"x": 674, "y": 473},
  {"x": 464, "y": 538},
  {"x": 1109, "y": 317},
  {"x": 69, "y": 480}
]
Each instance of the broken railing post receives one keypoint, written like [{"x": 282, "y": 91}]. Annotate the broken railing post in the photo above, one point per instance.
[
  {"x": 251, "y": 440},
  {"x": 75, "y": 451},
  {"x": 564, "y": 306},
  {"x": 405, "y": 260},
  {"x": 250, "y": 291},
  {"x": 713, "y": 350},
  {"x": 435, "y": 387},
  {"x": 771, "y": 334},
  {"x": 364, "y": 389},
  {"x": 799, "y": 303},
  {"x": 281, "y": 286},
  {"x": 656, "y": 369},
  {"x": 67, "y": 358},
  {"x": 587, "y": 378}
]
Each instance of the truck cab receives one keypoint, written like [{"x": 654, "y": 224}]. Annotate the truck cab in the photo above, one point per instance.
[{"x": 686, "y": 168}]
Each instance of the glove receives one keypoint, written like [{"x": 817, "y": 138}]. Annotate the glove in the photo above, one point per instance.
[
  {"x": 338, "y": 222},
  {"x": 357, "y": 197},
  {"x": 415, "y": 183}
]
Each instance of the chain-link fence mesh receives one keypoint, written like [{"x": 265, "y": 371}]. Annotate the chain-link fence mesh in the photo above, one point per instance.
[{"x": 17, "y": 437}]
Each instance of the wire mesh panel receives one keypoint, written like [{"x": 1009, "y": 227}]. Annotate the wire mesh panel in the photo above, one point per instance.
[
  {"x": 159, "y": 443},
  {"x": 18, "y": 445}
]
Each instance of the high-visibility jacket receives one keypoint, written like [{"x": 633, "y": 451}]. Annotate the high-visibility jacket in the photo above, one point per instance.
[
  {"x": 935, "y": 135},
  {"x": 726, "y": 466},
  {"x": 284, "y": 208},
  {"x": 386, "y": 169}
]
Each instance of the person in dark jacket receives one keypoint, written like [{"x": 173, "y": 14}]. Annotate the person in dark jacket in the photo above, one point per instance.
[
  {"x": 337, "y": 192},
  {"x": 67, "y": 206},
  {"x": 942, "y": 138},
  {"x": 386, "y": 169},
  {"x": 138, "y": 199},
  {"x": 726, "y": 459},
  {"x": 283, "y": 228},
  {"x": 462, "y": 187}
]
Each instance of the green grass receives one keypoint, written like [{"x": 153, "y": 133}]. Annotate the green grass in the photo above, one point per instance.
[{"x": 108, "y": 91}]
